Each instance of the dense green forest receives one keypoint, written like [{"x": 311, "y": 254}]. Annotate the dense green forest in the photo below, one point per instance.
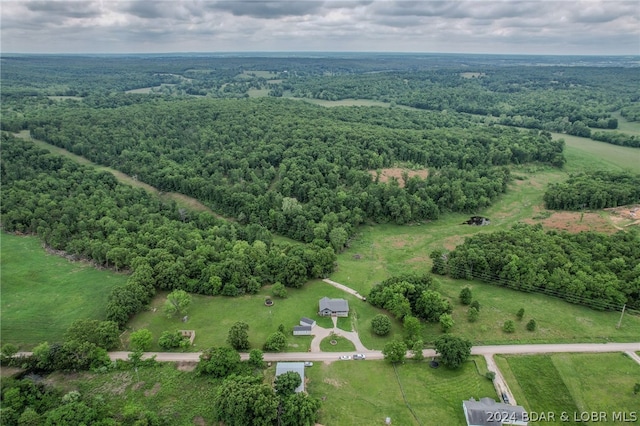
[
  {"x": 597, "y": 270},
  {"x": 90, "y": 215},
  {"x": 594, "y": 190},
  {"x": 300, "y": 170}
]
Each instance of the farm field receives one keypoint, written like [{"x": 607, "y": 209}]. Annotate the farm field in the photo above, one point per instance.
[
  {"x": 573, "y": 383},
  {"x": 42, "y": 294}
]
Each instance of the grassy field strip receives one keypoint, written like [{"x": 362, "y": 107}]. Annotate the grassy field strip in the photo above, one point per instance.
[
  {"x": 603, "y": 155},
  {"x": 180, "y": 199},
  {"x": 42, "y": 294},
  {"x": 573, "y": 383}
]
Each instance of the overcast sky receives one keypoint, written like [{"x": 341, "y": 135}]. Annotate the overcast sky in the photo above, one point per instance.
[{"x": 528, "y": 27}]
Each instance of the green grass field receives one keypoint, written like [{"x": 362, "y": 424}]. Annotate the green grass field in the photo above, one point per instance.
[
  {"x": 573, "y": 383},
  {"x": 43, "y": 294},
  {"x": 366, "y": 392},
  {"x": 212, "y": 317}
]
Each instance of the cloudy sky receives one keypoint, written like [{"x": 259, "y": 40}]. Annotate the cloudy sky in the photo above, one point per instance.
[{"x": 476, "y": 26}]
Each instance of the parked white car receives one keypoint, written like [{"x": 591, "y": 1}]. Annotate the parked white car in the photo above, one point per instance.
[
  {"x": 345, "y": 357},
  {"x": 359, "y": 356},
  {"x": 308, "y": 364}
]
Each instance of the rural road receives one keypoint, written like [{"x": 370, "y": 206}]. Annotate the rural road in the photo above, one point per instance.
[{"x": 475, "y": 350}]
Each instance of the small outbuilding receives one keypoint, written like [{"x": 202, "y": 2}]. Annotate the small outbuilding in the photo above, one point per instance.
[
  {"x": 333, "y": 307},
  {"x": 307, "y": 321},
  {"x": 298, "y": 367},
  {"x": 488, "y": 412},
  {"x": 302, "y": 330}
]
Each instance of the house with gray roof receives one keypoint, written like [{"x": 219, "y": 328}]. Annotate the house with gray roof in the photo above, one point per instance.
[
  {"x": 298, "y": 367},
  {"x": 488, "y": 412},
  {"x": 333, "y": 307}
]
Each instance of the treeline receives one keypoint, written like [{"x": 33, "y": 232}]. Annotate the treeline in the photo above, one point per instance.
[
  {"x": 90, "y": 215},
  {"x": 295, "y": 168},
  {"x": 594, "y": 190},
  {"x": 593, "y": 269},
  {"x": 569, "y": 100}
]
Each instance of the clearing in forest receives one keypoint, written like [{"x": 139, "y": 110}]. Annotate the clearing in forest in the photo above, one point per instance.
[{"x": 396, "y": 172}]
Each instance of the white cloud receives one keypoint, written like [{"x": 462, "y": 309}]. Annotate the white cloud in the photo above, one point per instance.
[{"x": 555, "y": 27}]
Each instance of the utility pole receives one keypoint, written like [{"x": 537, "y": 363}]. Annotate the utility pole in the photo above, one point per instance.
[{"x": 621, "y": 314}]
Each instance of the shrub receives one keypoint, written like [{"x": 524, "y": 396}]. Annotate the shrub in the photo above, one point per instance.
[
  {"x": 172, "y": 340},
  {"x": 475, "y": 304},
  {"x": 465, "y": 296},
  {"x": 473, "y": 314},
  {"x": 520, "y": 314},
  {"x": 531, "y": 325},
  {"x": 381, "y": 325},
  {"x": 509, "y": 326},
  {"x": 279, "y": 290}
]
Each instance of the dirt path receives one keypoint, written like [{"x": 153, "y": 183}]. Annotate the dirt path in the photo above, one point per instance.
[
  {"x": 499, "y": 382},
  {"x": 344, "y": 288}
]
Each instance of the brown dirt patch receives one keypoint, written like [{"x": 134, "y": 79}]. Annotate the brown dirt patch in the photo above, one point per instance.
[
  {"x": 137, "y": 386},
  {"x": 396, "y": 172},
  {"x": 576, "y": 222},
  {"x": 186, "y": 366},
  {"x": 118, "y": 384},
  {"x": 625, "y": 216},
  {"x": 333, "y": 382},
  {"x": 154, "y": 390},
  {"x": 199, "y": 421}
]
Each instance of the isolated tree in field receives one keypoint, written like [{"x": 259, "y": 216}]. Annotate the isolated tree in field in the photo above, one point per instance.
[
  {"x": 475, "y": 304},
  {"x": 520, "y": 314},
  {"x": 412, "y": 329},
  {"x": 394, "y": 351},
  {"x": 238, "y": 337},
  {"x": 531, "y": 325},
  {"x": 491, "y": 375},
  {"x": 276, "y": 342},
  {"x": 218, "y": 362},
  {"x": 416, "y": 350},
  {"x": 473, "y": 315},
  {"x": 286, "y": 383},
  {"x": 256, "y": 359},
  {"x": 465, "y": 296},
  {"x": 446, "y": 322},
  {"x": 279, "y": 290},
  {"x": 453, "y": 350},
  {"x": 381, "y": 324},
  {"x": 141, "y": 340},
  {"x": 509, "y": 326},
  {"x": 281, "y": 328},
  {"x": 177, "y": 303},
  {"x": 636, "y": 389}
]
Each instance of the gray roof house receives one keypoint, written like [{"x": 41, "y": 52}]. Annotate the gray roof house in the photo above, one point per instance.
[
  {"x": 298, "y": 367},
  {"x": 333, "y": 307},
  {"x": 302, "y": 330},
  {"x": 307, "y": 321},
  {"x": 488, "y": 412}
]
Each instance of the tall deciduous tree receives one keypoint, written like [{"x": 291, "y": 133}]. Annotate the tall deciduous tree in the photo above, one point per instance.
[
  {"x": 238, "y": 336},
  {"x": 453, "y": 350},
  {"x": 178, "y": 302},
  {"x": 141, "y": 340},
  {"x": 395, "y": 351},
  {"x": 286, "y": 383}
]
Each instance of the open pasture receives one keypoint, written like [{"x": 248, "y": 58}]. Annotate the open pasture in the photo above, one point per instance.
[
  {"x": 42, "y": 294},
  {"x": 573, "y": 383}
]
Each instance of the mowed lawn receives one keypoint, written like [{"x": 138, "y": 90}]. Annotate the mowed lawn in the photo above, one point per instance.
[
  {"x": 573, "y": 383},
  {"x": 212, "y": 316},
  {"x": 43, "y": 294},
  {"x": 367, "y": 392}
]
